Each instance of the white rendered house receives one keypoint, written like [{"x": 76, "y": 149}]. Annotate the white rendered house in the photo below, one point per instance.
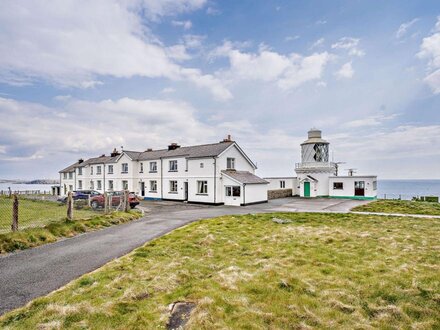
[{"x": 218, "y": 173}]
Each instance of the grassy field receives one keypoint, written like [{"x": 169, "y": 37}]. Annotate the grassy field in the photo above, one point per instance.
[
  {"x": 402, "y": 207},
  {"x": 322, "y": 271},
  {"x": 36, "y": 213}
]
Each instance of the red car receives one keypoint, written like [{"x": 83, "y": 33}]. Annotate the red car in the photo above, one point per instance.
[{"x": 116, "y": 196}]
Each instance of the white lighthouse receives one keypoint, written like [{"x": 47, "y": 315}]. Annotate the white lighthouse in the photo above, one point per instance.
[{"x": 315, "y": 169}]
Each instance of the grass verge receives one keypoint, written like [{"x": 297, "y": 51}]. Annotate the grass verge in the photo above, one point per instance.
[
  {"x": 36, "y": 213},
  {"x": 322, "y": 271},
  {"x": 52, "y": 232},
  {"x": 402, "y": 207}
]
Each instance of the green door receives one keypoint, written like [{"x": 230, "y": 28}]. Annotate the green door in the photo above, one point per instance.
[{"x": 306, "y": 189}]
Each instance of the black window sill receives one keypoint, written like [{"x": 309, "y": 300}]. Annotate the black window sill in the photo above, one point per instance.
[
  {"x": 172, "y": 171},
  {"x": 110, "y": 173},
  {"x": 152, "y": 172},
  {"x": 173, "y": 192},
  {"x": 202, "y": 194},
  {"x": 153, "y": 192},
  {"x": 124, "y": 172}
]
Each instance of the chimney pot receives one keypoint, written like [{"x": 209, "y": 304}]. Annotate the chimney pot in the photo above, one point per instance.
[{"x": 173, "y": 146}]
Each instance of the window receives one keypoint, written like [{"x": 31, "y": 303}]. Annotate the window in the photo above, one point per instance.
[
  {"x": 70, "y": 175},
  {"x": 65, "y": 176},
  {"x": 282, "y": 184},
  {"x": 153, "y": 186},
  {"x": 338, "y": 185},
  {"x": 99, "y": 185},
  {"x": 173, "y": 165},
  {"x": 173, "y": 186},
  {"x": 80, "y": 171},
  {"x": 374, "y": 185},
  {"x": 70, "y": 187},
  {"x": 202, "y": 165},
  {"x": 124, "y": 168},
  {"x": 233, "y": 191},
  {"x": 92, "y": 185},
  {"x": 141, "y": 170},
  {"x": 80, "y": 184},
  {"x": 110, "y": 169},
  {"x": 110, "y": 184},
  {"x": 98, "y": 169},
  {"x": 91, "y": 170},
  {"x": 202, "y": 187},
  {"x": 153, "y": 167},
  {"x": 230, "y": 163},
  {"x": 124, "y": 184}
]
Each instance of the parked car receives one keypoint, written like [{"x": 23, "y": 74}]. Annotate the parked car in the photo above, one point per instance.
[
  {"x": 79, "y": 194},
  {"x": 116, "y": 196}
]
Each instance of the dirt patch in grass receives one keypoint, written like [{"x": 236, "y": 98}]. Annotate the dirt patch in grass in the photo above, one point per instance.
[
  {"x": 32, "y": 237},
  {"x": 321, "y": 271},
  {"x": 401, "y": 207}
]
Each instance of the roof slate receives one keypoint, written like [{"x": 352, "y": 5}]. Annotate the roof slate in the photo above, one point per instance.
[{"x": 245, "y": 177}]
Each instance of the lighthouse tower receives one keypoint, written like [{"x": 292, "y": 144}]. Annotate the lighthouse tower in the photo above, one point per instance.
[{"x": 315, "y": 169}]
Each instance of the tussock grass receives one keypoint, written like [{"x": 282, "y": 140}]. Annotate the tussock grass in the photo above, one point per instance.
[
  {"x": 32, "y": 237},
  {"x": 322, "y": 271},
  {"x": 401, "y": 207}
]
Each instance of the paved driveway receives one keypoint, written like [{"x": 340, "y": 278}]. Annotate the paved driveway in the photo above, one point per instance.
[{"x": 28, "y": 274}]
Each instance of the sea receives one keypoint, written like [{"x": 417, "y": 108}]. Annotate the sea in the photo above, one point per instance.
[{"x": 391, "y": 189}]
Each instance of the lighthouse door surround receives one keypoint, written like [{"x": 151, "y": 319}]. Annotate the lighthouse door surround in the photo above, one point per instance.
[{"x": 306, "y": 189}]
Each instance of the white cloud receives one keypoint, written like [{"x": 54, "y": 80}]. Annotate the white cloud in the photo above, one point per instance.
[
  {"x": 291, "y": 38},
  {"x": 430, "y": 50},
  {"x": 185, "y": 24},
  {"x": 168, "y": 90},
  {"x": 403, "y": 28},
  {"x": 375, "y": 120},
  {"x": 213, "y": 11},
  {"x": 288, "y": 71},
  {"x": 318, "y": 43},
  {"x": 75, "y": 48},
  {"x": 346, "y": 71},
  {"x": 321, "y": 22},
  {"x": 349, "y": 44}
]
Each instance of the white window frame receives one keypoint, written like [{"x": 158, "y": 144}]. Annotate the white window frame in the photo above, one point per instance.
[
  {"x": 342, "y": 185},
  {"x": 173, "y": 166},
  {"x": 142, "y": 168},
  {"x": 110, "y": 169},
  {"x": 173, "y": 186},
  {"x": 80, "y": 171},
  {"x": 124, "y": 184},
  {"x": 230, "y": 163},
  {"x": 80, "y": 184},
  {"x": 153, "y": 167},
  {"x": 98, "y": 170},
  {"x": 202, "y": 187},
  {"x": 91, "y": 170},
  {"x": 98, "y": 184},
  {"x": 70, "y": 175},
  {"x": 65, "y": 175},
  {"x": 229, "y": 191},
  {"x": 124, "y": 168},
  {"x": 110, "y": 185},
  {"x": 92, "y": 184},
  {"x": 153, "y": 186},
  {"x": 282, "y": 184}
]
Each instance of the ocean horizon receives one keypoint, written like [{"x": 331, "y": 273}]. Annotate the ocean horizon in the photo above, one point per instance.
[{"x": 389, "y": 188}]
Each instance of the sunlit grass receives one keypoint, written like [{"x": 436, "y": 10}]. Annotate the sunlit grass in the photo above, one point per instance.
[
  {"x": 246, "y": 272},
  {"x": 400, "y": 207}
]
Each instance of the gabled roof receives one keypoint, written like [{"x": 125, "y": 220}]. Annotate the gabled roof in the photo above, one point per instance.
[
  {"x": 69, "y": 168},
  {"x": 200, "y": 151},
  {"x": 244, "y": 177},
  {"x": 90, "y": 161}
]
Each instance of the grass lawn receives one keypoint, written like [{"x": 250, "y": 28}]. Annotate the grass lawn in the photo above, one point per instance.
[
  {"x": 247, "y": 272},
  {"x": 402, "y": 207},
  {"x": 36, "y": 213}
]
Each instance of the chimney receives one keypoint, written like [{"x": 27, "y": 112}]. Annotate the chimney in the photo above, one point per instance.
[
  {"x": 173, "y": 146},
  {"x": 114, "y": 153},
  {"x": 103, "y": 155},
  {"x": 227, "y": 139},
  {"x": 80, "y": 161},
  {"x": 148, "y": 150}
]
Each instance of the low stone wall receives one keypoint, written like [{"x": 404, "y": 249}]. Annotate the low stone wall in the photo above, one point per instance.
[{"x": 279, "y": 193}]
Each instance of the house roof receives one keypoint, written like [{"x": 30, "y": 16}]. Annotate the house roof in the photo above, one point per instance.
[
  {"x": 199, "y": 151},
  {"x": 244, "y": 177}
]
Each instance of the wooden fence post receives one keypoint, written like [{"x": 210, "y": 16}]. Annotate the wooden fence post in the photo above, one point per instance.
[
  {"x": 105, "y": 203},
  {"x": 69, "y": 206},
  {"x": 126, "y": 201},
  {"x": 14, "y": 225}
]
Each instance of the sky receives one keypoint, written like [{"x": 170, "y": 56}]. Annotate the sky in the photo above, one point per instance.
[{"x": 78, "y": 78}]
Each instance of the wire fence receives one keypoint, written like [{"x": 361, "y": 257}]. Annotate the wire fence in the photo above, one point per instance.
[
  {"x": 18, "y": 212},
  {"x": 407, "y": 197}
]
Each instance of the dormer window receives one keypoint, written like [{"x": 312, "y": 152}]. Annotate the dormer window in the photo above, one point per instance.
[{"x": 230, "y": 163}]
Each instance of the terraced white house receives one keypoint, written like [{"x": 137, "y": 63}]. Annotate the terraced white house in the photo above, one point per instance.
[{"x": 218, "y": 173}]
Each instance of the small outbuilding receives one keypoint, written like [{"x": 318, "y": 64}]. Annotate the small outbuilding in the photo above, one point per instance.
[
  {"x": 355, "y": 187},
  {"x": 243, "y": 188}
]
